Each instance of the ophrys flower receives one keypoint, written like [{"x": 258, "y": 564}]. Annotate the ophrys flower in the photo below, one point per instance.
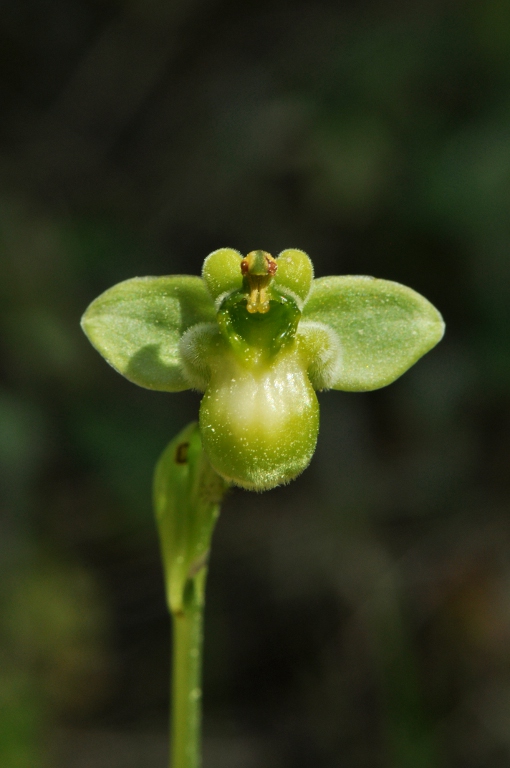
[{"x": 258, "y": 336}]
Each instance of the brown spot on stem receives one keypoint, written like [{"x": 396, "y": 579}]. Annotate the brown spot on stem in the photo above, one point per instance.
[{"x": 181, "y": 453}]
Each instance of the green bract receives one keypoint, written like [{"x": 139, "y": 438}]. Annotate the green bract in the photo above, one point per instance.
[
  {"x": 187, "y": 497},
  {"x": 258, "y": 335}
]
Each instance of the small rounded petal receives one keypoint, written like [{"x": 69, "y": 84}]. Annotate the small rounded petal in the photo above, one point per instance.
[
  {"x": 259, "y": 424},
  {"x": 320, "y": 348},
  {"x": 222, "y": 272},
  {"x": 294, "y": 273},
  {"x": 197, "y": 346}
]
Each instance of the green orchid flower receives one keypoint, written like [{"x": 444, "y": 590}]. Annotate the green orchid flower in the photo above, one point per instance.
[{"x": 259, "y": 336}]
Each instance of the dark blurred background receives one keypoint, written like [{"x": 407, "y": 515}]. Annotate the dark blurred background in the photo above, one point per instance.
[{"x": 360, "y": 617}]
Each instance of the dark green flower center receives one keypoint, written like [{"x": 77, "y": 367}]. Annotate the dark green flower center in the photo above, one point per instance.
[{"x": 258, "y": 320}]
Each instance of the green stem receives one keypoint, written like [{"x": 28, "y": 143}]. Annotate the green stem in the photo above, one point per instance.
[
  {"x": 187, "y": 497},
  {"x": 186, "y": 708}
]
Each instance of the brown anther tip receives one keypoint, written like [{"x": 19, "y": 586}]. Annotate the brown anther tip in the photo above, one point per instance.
[
  {"x": 245, "y": 267},
  {"x": 272, "y": 266}
]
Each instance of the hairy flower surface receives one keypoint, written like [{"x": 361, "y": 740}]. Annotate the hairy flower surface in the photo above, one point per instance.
[{"x": 258, "y": 336}]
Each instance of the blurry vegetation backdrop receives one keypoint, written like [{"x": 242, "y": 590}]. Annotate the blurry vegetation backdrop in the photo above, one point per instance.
[{"x": 360, "y": 617}]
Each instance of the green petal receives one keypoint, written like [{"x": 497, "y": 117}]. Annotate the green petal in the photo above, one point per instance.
[
  {"x": 222, "y": 272},
  {"x": 137, "y": 325},
  {"x": 383, "y": 328},
  {"x": 295, "y": 272}
]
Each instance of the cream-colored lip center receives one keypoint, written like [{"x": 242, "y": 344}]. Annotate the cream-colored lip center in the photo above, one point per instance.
[{"x": 265, "y": 400}]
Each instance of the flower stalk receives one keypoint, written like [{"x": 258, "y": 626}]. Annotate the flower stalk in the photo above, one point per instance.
[
  {"x": 187, "y": 498},
  {"x": 186, "y": 685}
]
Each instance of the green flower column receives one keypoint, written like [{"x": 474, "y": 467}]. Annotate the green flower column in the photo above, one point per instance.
[{"x": 257, "y": 336}]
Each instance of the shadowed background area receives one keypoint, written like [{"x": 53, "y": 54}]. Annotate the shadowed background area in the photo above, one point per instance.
[{"x": 359, "y": 617}]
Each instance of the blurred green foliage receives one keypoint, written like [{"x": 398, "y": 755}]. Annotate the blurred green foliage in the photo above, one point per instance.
[{"x": 360, "y": 616}]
